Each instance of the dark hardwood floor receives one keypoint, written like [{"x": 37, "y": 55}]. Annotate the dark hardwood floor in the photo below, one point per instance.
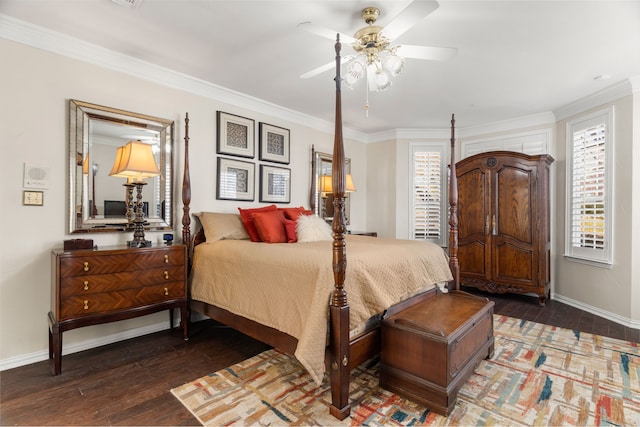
[{"x": 128, "y": 383}]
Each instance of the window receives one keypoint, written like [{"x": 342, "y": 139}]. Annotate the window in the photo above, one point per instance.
[
  {"x": 428, "y": 210},
  {"x": 589, "y": 188}
]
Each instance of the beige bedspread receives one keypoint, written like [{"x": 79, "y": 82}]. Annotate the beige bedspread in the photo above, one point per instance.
[{"x": 287, "y": 286}]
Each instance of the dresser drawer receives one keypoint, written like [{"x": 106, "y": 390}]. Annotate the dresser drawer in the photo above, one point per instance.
[
  {"x": 92, "y": 284},
  {"x": 93, "y": 263},
  {"x": 106, "y": 302},
  {"x": 109, "y": 284}
]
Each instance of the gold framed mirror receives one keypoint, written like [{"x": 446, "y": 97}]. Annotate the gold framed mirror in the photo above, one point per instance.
[
  {"x": 97, "y": 201},
  {"x": 321, "y": 199}
]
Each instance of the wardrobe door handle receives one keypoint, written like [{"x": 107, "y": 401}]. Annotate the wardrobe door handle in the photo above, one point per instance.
[
  {"x": 495, "y": 232},
  {"x": 486, "y": 226}
]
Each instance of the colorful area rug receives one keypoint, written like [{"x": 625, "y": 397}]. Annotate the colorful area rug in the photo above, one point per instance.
[{"x": 539, "y": 375}]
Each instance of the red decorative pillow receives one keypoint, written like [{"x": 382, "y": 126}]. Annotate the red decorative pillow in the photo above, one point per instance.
[
  {"x": 294, "y": 213},
  {"x": 270, "y": 226},
  {"x": 247, "y": 220},
  {"x": 290, "y": 228}
]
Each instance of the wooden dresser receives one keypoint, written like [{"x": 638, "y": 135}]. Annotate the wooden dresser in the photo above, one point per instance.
[
  {"x": 503, "y": 222},
  {"x": 91, "y": 287}
]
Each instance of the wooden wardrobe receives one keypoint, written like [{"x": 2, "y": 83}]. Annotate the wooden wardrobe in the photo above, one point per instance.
[{"x": 503, "y": 215}]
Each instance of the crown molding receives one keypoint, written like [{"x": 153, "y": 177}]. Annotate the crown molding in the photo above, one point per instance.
[
  {"x": 519, "y": 123},
  {"x": 619, "y": 90},
  {"x": 41, "y": 38},
  {"x": 51, "y": 41},
  {"x": 396, "y": 134},
  {"x": 542, "y": 119}
]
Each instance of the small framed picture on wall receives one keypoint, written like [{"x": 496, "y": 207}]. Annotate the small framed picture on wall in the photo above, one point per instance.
[
  {"x": 275, "y": 184},
  {"x": 235, "y": 180},
  {"x": 236, "y": 135},
  {"x": 274, "y": 143}
]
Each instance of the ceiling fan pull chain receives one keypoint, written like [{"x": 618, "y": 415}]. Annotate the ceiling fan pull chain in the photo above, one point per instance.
[{"x": 366, "y": 105}]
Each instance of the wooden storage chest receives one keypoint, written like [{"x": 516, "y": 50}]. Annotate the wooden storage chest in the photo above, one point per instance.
[{"x": 431, "y": 348}]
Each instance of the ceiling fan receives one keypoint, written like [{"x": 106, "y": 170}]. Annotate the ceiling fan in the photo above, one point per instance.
[{"x": 374, "y": 56}]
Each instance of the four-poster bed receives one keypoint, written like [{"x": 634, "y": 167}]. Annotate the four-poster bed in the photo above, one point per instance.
[{"x": 345, "y": 349}]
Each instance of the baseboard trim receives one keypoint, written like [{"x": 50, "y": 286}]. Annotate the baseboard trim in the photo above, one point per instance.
[
  {"x": 635, "y": 324},
  {"x": 39, "y": 356}
]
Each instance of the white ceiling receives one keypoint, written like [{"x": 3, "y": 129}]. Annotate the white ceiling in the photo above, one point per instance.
[{"x": 515, "y": 58}]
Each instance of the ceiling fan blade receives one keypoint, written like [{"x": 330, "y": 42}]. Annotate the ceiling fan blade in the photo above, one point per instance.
[
  {"x": 427, "y": 52},
  {"x": 409, "y": 17},
  {"x": 323, "y": 68},
  {"x": 325, "y": 32}
]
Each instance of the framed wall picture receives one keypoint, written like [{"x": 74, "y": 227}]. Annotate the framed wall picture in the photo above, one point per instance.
[
  {"x": 235, "y": 180},
  {"x": 275, "y": 184},
  {"x": 236, "y": 135},
  {"x": 274, "y": 143}
]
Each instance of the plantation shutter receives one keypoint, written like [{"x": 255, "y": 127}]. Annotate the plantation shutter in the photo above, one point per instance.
[
  {"x": 588, "y": 188},
  {"x": 428, "y": 194}
]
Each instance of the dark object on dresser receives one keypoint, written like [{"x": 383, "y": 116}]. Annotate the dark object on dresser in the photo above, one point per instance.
[
  {"x": 503, "y": 215},
  {"x": 74, "y": 244},
  {"x": 91, "y": 287},
  {"x": 431, "y": 348}
]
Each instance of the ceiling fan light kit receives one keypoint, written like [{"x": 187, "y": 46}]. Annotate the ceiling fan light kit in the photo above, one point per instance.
[{"x": 374, "y": 58}]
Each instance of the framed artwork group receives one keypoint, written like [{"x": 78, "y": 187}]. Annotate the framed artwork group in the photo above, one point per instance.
[{"x": 236, "y": 176}]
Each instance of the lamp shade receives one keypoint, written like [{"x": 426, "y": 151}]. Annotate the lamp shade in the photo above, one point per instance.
[
  {"x": 116, "y": 164},
  {"x": 85, "y": 165},
  {"x": 326, "y": 185},
  {"x": 135, "y": 161}
]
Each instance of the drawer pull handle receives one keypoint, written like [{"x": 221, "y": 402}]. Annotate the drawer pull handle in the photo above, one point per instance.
[
  {"x": 86, "y": 266},
  {"x": 86, "y": 285},
  {"x": 86, "y": 304},
  {"x": 166, "y": 259},
  {"x": 166, "y": 291},
  {"x": 166, "y": 274}
]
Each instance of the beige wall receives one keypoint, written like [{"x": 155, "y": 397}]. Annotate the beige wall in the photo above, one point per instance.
[
  {"x": 608, "y": 289},
  {"x": 381, "y": 173},
  {"x": 35, "y": 87}
]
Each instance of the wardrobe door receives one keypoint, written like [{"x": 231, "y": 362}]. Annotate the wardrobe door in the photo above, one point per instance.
[
  {"x": 474, "y": 241},
  {"x": 515, "y": 258}
]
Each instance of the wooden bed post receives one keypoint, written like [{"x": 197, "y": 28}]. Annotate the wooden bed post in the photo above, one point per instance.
[
  {"x": 186, "y": 193},
  {"x": 312, "y": 190},
  {"x": 339, "y": 308},
  {"x": 453, "y": 214}
]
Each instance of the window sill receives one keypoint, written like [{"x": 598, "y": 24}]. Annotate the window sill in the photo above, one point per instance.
[{"x": 592, "y": 262}]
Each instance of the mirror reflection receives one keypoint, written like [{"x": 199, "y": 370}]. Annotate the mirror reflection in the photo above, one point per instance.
[
  {"x": 322, "y": 197},
  {"x": 98, "y": 201}
]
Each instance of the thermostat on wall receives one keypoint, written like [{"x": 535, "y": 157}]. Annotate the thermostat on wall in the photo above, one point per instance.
[{"x": 35, "y": 176}]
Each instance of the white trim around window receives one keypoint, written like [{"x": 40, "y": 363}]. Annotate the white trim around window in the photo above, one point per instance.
[
  {"x": 428, "y": 192},
  {"x": 589, "y": 189}
]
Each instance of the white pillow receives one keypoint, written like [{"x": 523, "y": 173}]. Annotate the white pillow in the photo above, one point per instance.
[{"x": 312, "y": 228}]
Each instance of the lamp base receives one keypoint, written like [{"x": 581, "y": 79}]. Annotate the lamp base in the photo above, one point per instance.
[{"x": 139, "y": 243}]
